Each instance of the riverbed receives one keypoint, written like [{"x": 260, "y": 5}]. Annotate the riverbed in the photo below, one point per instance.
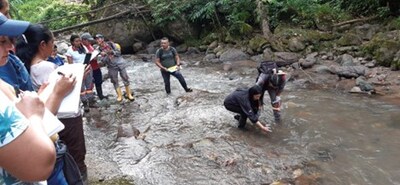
[{"x": 190, "y": 138}]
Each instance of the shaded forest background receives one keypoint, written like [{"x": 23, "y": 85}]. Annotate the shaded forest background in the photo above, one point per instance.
[
  {"x": 234, "y": 17},
  {"x": 238, "y": 22}
]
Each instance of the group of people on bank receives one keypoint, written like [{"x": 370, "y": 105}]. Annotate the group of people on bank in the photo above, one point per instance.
[{"x": 27, "y": 57}]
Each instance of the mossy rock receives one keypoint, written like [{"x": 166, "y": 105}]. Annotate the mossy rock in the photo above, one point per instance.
[
  {"x": 383, "y": 48},
  {"x": 393, "y": 24},
  {"x": 395, "y": 65},
  {"x": 349, "y": 39},
  {"x": 257, "y": 43},
  {"x": 308, "y": 37}
]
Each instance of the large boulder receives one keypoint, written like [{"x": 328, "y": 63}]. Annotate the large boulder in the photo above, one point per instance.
[
  {"x": 125, "y": 31},
  {"x": 179, "y": 30},
  {"x": 350, "y": 39},
  {"x": 132, "y": 28},
  {"x": 286, "y": 58},
  {"x": 384, "y": 46},
  {"x": 232, "y": 54}
]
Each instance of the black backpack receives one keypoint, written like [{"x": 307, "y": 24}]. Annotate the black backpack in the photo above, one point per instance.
[
  {"x": 161, "y": 51},
  {"x": 267, "y": 67}
]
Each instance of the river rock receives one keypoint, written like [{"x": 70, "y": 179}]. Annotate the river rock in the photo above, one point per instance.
[
  {"x": 350, "y": 71},
  {"x": 350, "y": 39},
  {"x": 366, "y": 31},
  {"x": 192, "y": 50},
  {"x": 258, "y": 58},
  {"x": 295, "y": 45},
  {"x": 323, "y": 69},
  {"x": 209, "y": 57},
  {"x": 213, "y": 45},
  {"x": 138, "y": 46},
  {"x": 233, "y": 54},
  {"x": 286, "y": 58},
  {"x": 345, "y": 60},
  {"x": 363, "y": 84},
  {"x": 153, "y": 46}
]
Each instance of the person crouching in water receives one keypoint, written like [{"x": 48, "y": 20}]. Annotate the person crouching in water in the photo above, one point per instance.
[
  {"x": 111, "y": 56},
  {"x": 246, "y": 102}
]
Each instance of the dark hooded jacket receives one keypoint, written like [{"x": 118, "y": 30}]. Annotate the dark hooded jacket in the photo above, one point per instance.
[{"x": 243, "y": 98}]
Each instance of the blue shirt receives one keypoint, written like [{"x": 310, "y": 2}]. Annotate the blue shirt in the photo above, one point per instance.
[
  {"x": 15, "y": 74},
  {"x": 56, "y": 60}
]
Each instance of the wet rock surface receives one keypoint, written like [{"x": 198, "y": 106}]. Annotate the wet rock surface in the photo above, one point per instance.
[{"x": 189, "y": 138}]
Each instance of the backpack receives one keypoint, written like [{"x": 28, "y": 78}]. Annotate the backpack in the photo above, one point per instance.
[
  {"x": 70, "y": 168},
  {"x": 267, "y": 67},
  {"x": 161, "y": 52}
]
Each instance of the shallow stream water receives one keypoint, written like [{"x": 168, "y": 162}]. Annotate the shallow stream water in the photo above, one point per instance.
[{"x": 190, "y": 138}]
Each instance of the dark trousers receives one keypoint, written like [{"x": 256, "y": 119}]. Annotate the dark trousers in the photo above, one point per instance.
[
  {"x": 178, "y": 75},
  {"x": 243, "y": 117},
  {"x": 98, "y": 80},
  {"x": 73, "y": 137},
  {"x": 272, "y": 97}
]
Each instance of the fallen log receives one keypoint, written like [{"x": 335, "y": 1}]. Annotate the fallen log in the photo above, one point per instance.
[
  {"x": 355, "y": 20},
  {"x": 93, "y": 22}
]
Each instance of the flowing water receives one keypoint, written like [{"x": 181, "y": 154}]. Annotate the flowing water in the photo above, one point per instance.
[{"x": 190, "y": 138}]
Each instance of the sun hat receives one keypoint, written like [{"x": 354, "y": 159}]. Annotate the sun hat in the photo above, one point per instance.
[{"x": 12, "y": 28}]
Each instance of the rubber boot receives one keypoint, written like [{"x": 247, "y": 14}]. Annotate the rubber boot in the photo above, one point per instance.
[
  {"x": 119, "y": 94},
  {"x": 129, "y": 93}
]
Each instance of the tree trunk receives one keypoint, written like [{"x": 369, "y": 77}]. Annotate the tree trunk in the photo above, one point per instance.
[{"x": 263, "y": 15}]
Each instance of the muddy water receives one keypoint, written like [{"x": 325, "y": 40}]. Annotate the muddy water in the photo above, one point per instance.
[{"x": 189, "y": 138}]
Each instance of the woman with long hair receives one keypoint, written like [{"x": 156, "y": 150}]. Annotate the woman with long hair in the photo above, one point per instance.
[{"x": 34, "y": 47}]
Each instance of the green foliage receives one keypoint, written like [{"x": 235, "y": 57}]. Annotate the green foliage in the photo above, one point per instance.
[
  {"x": 303, "y": 12},
  {"x": 57, "y": 9},
  {"x": 237, "y": 15},
  {"x": 359, "y": 7},
  {"x": 40, "y": 10},
  {"x": 394, "y": 24}
]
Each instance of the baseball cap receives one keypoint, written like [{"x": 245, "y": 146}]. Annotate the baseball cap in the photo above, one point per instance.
[
  {"x": 99, "y": 36},
  {"x": 87, "y": 36},
  {"x": 12, "y": 28}
]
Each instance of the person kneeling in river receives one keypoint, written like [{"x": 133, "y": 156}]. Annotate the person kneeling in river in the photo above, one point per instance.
[{"x": 246, "y": 102}]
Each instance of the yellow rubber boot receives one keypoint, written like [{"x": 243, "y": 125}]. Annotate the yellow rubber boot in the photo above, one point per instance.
[
  {"x": 129, "y": 93},
  {"x": 119, "y": 94}
]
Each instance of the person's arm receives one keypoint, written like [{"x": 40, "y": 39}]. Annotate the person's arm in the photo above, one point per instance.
[
  {"x": 261, "y": 82},
  {"x": 177, "y": 58},
  {"x": 158, "y": 61},
  {"x": 31, "y": 155}
]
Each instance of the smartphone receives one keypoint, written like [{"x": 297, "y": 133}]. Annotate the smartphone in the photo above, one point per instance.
[{"x": 87, "y": 58}]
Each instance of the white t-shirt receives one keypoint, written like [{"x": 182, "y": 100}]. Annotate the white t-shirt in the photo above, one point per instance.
[
  {"x": 75, "y": 55},
  {"x": 40, "y": 73}
]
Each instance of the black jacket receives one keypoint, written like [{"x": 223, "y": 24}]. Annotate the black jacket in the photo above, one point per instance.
[{"x": 240, "y": 98}]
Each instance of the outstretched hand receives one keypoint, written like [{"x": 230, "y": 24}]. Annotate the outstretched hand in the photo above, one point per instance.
[{"x": 266, "y": 128}]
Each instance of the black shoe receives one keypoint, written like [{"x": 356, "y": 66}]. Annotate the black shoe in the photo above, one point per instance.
[
  {"x": 103, "y": 97},
  {"x": 189, "y": 90},
  {"x": 243, "y": 128},
  {"x": 237, "y": 117}
]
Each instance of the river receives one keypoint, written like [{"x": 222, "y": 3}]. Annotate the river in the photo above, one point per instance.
[{"x": 190, "y": 138}]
